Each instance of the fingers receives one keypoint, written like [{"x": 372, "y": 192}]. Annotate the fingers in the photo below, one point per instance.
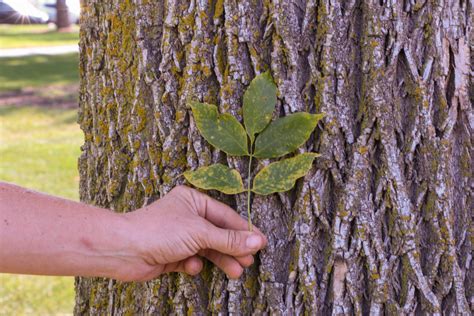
[
  {"x": 232, "y": 266},
  {"x": 245, "y": 261},
  {"x": 192, "y": 266},
  {"x": 226, "y": 263},
  {"x": 236, "y": 243},
  {"x": 220, "y": 214}
]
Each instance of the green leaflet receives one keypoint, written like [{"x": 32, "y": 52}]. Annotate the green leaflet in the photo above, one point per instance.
[
  {"x": 216, "y": 177},
  {"x": 280, "y": 176},
  {"x": 285, "y": 134},
  {"x": 274, "y": 140},
  {"x": 259, "y": 103},
  {"x": 222, "y": 131}
]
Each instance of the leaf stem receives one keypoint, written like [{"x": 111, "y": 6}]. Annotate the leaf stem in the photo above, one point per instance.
[{"x": 248, "y": 193}]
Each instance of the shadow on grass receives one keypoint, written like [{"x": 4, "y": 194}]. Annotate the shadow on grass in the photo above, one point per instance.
[{"x": 19, "y": 72}]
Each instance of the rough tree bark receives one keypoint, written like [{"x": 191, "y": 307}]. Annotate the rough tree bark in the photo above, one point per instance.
[{"x": 383, "y": 222}]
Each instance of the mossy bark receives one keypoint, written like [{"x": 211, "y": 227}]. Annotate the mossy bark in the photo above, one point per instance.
[{"x": 383, "y": 222}]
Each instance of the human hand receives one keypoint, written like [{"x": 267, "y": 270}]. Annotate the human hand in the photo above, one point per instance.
[{"x": 172, "y": 234}]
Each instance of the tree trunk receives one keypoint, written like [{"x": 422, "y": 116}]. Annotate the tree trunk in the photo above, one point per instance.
[
  {"x": 383, "y": 222},
  {"x": 62, "y": 15}
]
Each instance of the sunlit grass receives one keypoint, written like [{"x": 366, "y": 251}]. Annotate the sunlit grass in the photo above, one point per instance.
[
  {"x": 21, "y": 36},
  {"x": 39, "y": 147},
  {"x": 36, "y": 295}
]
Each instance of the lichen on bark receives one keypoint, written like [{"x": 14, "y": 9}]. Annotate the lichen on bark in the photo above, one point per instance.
[{"x": 381, "y": 224}]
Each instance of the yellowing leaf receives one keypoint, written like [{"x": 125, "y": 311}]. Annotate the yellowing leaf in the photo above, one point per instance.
[
  {"x": 285, "y": 134},
  {"x": 259, "y": 103},
  {"x": 280, "y": 176},
  {"x": 216, "y": 177},
  {"x": 222, "y": 131}
]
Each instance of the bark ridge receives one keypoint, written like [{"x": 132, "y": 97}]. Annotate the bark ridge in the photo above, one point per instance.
[{"x": 383, "y": 222}]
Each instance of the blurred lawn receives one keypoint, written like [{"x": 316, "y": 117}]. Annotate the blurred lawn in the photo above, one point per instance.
[
  {"x": 39, "y": 147},
  {"x": 21, "y": 36},
  {"x": 36, "y": 295},
  {"x": 39, "y": 70}
]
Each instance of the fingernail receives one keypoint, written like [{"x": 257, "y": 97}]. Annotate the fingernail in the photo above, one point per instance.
[{"x": 254, "y": 241}]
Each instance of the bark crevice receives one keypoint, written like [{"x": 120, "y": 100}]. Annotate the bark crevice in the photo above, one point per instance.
[{"x": 383, "y": 222}]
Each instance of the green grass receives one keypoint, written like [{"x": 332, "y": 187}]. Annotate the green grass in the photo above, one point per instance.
[
  {"x": 36, "y": 295},
  {"x": 34, "y": 71},
  {"x": 21, "y": 36},
  {"x": 39, "y": 147}
]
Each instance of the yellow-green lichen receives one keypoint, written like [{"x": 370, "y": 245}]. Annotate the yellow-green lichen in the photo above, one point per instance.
[{"x": 218, "y": 9}]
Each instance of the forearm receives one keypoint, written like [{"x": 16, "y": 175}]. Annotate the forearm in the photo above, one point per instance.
[{"x": 42, "y": 234}]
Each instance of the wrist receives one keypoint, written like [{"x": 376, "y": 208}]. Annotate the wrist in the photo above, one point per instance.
[
  {"x": 126, "y": 252},
  {"x": 117, "y": 248},
  {"x": 108, "y": 245}
]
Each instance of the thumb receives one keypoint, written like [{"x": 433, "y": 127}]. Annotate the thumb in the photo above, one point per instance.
[{"x": 234, "y": 242}]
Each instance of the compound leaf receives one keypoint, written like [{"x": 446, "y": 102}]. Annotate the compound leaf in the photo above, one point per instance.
[
  {"x": 216, "y": 177},
  {"x": 222, "y": 131},
  {"x": 280, "y": 176},
  {"x": 259, "y": 103},
  {"x": 285, "y": 134}
]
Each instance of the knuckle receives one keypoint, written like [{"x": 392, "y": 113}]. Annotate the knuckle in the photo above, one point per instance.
[
  {"x": 205, "y": 235},
  {"x": 233, "y": 240},
  {"x": 191, "y": 197},
  {"x": 199, "y": 202}
]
